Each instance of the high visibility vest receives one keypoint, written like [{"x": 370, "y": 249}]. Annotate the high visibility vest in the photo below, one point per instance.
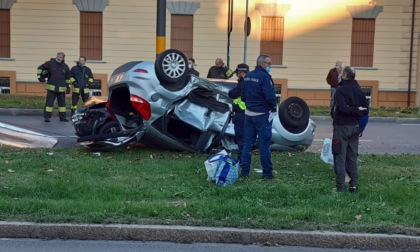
[{"x": 238, "y": 101}]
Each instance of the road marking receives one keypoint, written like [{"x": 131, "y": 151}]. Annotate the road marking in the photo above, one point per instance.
[
  {"x": 360, "y": 140},
  {"x": 410, "y": 124}
]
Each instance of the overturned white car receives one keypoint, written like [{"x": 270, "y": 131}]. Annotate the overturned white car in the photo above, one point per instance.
[{"x": 159, "y": 104}]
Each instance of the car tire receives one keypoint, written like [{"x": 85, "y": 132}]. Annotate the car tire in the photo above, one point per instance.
[
  {"x": 171, "y": 66},
  {"x": 294, "y": 112},
  {"x": 110, "y": 127}
]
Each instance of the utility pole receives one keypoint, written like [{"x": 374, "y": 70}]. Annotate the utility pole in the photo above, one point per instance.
[{"x": 160, "y": 26}]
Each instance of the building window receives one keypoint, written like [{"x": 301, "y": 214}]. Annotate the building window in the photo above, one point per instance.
[
  {"x": 91, "y": 35},
  {"x": 4, "y": 33},
  {"x": 362, "y": 42},
  {"x": 182, "y": 34},
  {"x": 272, "y": 35}
]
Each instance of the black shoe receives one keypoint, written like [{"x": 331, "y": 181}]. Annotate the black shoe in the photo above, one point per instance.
[
  {"x": 339, "y": 189},
  {"x": 244, "y": 175},
  {"x": 46, "y": 119},
  {"x": 353, "y": 189},
  {"x": 64, "y": 120}
]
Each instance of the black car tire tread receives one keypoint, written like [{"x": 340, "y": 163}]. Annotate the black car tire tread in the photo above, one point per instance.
[
  {"x": 160, "y": 72},
  {"x": 294, "y": 112}
]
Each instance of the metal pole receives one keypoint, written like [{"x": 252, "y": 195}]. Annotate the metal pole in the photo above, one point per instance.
[
  {"x": 160, "y": 26},
  {"x": 230, "y": 20},
  {"x": 246, "y": 30},
  {"x": 411, "y": 53}
]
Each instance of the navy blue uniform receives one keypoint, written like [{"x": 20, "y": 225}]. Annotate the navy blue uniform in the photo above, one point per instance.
[
  {"x": 260, "y": 98},
  {"x": 238, "y": 116}
]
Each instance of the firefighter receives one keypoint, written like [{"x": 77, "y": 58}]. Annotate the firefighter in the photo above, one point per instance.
[
  {"x": 219, "y": 70},
  {"x": 57, "y": 74},
  {"x": 81, "y": 78}
]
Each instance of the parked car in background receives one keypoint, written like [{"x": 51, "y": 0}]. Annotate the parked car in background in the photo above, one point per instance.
[{"x": 159, "y": 104}]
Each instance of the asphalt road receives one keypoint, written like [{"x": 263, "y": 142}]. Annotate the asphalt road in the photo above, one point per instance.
[
  {"x": 380, "y": 136},
  {"x": 36, "y": 245}
]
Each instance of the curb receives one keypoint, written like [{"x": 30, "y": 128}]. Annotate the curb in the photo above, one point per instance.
[
  {"x": 189, "y": 234},
  {"x": 40, "y": 112}
]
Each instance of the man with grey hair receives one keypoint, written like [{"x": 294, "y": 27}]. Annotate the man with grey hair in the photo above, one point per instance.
[
  {"x": 349, "y": 105},
  {"x": 57, "y": 74},
  {"x": 260, "y": 100},
  {"x": 333, "y": 78},
  {"x": 219, "y": 70}
]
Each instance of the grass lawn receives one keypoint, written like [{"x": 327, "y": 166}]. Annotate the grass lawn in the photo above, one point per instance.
[{"x": 147, "y": 186}]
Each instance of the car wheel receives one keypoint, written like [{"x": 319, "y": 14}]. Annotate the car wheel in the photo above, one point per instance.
[
  {"x": 294, "y": 112},
  {"x": 110, "y": 127},
  {"x": 171, "y": 66}
]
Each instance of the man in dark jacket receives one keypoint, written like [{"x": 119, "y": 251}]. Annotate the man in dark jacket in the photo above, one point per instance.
[
  {"x": 219, "y": 70},
  {"x": 239, "y": 107},
  {"x": 191, "y": 65},
  {"x": 260, "y": 100},
  {"x": 81, "y": 79},
  {"x": 333, "y": 78},
  {"x": 349, "y": 105},
  {"x": 58, "y": 85}
]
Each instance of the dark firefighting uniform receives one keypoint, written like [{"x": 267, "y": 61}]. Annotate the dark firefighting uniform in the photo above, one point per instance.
[
  {"x": 81, "y": 78},
  {"x": 58, "y": 83},
  {"x": 219, "y": 72}
]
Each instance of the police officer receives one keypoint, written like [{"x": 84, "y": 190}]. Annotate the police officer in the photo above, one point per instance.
[
  {"x": 260, "y": 100},
  {"x": 81, "y": 79},
  {"x": 239, "y": 107},
  {"x": 58, "y": 85},
  {"x": 219, "y": 70}
]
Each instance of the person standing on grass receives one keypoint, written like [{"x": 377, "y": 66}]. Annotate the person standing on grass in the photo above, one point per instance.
[
  {"x": 260, "y": 100},
  {"x": 81, "y": 78},
  {"x": 57, "y": 74},
  {"x": 239, "y": 107},
  {"x": 349, "y": 105}
]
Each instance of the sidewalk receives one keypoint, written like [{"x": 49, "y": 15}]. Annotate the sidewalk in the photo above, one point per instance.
[{"x": 189, "y": 234}]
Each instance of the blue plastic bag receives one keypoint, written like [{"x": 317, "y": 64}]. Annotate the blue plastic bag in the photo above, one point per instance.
[
  {"x": 227, "y": 171},
  {"x": 363, "y": 121}
]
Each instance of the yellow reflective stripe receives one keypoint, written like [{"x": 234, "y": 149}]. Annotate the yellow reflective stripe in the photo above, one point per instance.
[
  {"x": 90, "y": 80},
  {"x": 49, "y": 109},
  {"x": 68, "y": 82},
  {"x": 86, "y": 90},
  {"x": 76, "y": 90},
  {"x": 50, "y": 87},
  {"x": 74, "y": 107},
  {"x": 61, "y": 109},
  {"x": 229, "y": 73},
  {"x": 72, "y": 80},
  {"x": 62, "y": 89},
  {"x": 238, "y": 101},
  {"x": 39, "y": 71}
]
